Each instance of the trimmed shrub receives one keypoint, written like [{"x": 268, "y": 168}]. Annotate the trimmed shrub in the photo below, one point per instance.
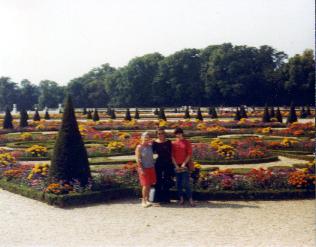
[
  {"x": 70, "y": 160},
  {"x": 84, "y": 111},
  {"x": 7, "y": 122},
  {"x": 278, "y": 115},
  {"x": 128, "y": 115},
  {"x": 303, "y": 113},
  {"x": 292, "y": 117},
  {"x": 199, "y": 115},
  {"x": 95, "y": 116},
  {"x": 156, "y": 112},
  {"x": 46, "y": 116},
  {"x": 137, "y": 114},
  {"x": 89, "y": 115},
  {"x": 187, "y": 113},
  {"x": 266, "y": 115},
  {"x": 23, "y": 118},
  {"x": 308, "y": 111},
  {"x": 272, "y": 113},
  {"x": 243, "y": 113},
  {"x": 161, "y": 114},
  {"x": 237, "y": 115},
  {"x": 36, "y": 116},
  {"x": 212, "y": 112},
  {"x": 112, "y": 114}
]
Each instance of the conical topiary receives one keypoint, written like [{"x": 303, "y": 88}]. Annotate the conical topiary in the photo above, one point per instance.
[
  {"x": 243, "y": 113},
  {"x": 127, "y": 115},
  {"x": 46, "y": 116},
  {"x": 84, "y": 111},
  {"x": 266, "y": 115},
  {"x": 137, "y": 114},
  {"x": 112, "y": 114},
  {"x": 36, "y": 116},
  {"x": 308, "y": 111},
  {"x": 7, "y": 122},
  {"x": 161, "y": 114},
  {"x": 23, "y": 118},
  {"x": 199, "y": 115},
  {"x": 156, "y": 112},
  {"x": 89, "y": 115},
  {"x": 303, "y": 113},
  {"x": 213, "y": 112},
  {"x": 278, "y": 115},
  {"x": 272, "y": 113},
  {"x": 175, "y": 110},
  {"x": 186, "y": 113},
  {"x": 95, "y": 116},
  {"x": 108, "y": 111},
  {"x": 292, "y": 117},
  {"x": 70, "y": 160},
  {"x": 237, "y": 115}
]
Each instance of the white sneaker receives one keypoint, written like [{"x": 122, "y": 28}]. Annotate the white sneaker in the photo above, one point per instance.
[
  {"x": 144, "y": 205},
  {"x": 149, "y": 204}
]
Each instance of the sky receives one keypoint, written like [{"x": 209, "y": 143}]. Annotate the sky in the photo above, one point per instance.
[{"x": 63, "y": 39}]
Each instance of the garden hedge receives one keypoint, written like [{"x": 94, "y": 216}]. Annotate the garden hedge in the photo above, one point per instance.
[{"x": 93, "y": 197}]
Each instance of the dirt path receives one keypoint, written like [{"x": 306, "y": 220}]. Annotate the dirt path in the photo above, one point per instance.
[{"x": 25, "y": 222}]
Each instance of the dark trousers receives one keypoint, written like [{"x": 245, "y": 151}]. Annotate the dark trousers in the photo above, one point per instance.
[
  {"x": 183, "y": 182},
  {"x": 164, "y": 175}
]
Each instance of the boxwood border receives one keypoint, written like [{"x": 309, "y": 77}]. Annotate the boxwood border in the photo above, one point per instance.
[{"x": 93, "y": 197}]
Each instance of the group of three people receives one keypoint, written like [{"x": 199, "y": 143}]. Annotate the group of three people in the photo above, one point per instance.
[{"x": 173, "y": 159}]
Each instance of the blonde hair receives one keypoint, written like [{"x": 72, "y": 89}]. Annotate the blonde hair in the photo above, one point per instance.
[{"x": 144, "y": 135}]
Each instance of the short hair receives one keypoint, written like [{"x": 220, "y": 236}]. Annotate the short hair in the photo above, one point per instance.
[
  {"x": 160, "y": 129},
  {"x": 144, "y": 135},
  {"x": 178, "y": 130}
]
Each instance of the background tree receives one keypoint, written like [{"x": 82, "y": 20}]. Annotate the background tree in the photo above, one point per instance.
[
  {"x": 50, "y": 94},
  {"x": 161, "y": 114},
  {"x": 28, "y": 95},
  {"x": 8, "y": 92},
  {"x": 70, "y": 159}
]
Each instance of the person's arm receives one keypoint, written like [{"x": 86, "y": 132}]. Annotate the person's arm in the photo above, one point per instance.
[
  {"x": 138, "y": 158},
  {"x": 173, "y": 159},
  {"x": 189, "y": 154}
]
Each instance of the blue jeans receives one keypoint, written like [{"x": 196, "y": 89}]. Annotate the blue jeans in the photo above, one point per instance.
[{"x": 183, "y": 181}]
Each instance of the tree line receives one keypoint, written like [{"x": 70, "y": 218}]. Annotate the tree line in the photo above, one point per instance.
[{"x": 217, "y": 75}]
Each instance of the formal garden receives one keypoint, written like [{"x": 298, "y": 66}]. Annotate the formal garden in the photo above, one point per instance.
[{"x": 87, "y": 156}]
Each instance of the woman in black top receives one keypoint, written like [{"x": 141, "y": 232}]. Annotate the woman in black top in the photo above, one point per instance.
[{"x": 164, "y": 167}]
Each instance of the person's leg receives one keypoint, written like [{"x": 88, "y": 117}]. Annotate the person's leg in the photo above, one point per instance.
[
  {"x": 158, "y": 185},
  {"x": 179, "y": 186},
  {"x": 186, "y": 181},
  {"x": 143, "y": 195}
]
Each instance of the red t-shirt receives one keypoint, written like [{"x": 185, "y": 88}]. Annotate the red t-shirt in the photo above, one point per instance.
[{"x": 180, "y": 150}]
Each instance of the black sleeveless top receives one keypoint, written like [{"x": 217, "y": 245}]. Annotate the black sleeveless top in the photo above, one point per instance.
[{"x": 163, "y": 150}]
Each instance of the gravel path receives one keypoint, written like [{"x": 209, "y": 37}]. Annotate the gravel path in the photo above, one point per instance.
[{"x": 25, "y": 222}]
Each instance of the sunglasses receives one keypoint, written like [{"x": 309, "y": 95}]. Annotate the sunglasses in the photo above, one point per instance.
[{"x": 161, "y": 133}]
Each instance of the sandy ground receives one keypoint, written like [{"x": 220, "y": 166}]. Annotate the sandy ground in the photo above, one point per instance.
[{"x": 25, "y": 222}]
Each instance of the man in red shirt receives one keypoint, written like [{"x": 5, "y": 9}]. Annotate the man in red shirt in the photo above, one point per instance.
[{"x": 181, "y": 157}]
